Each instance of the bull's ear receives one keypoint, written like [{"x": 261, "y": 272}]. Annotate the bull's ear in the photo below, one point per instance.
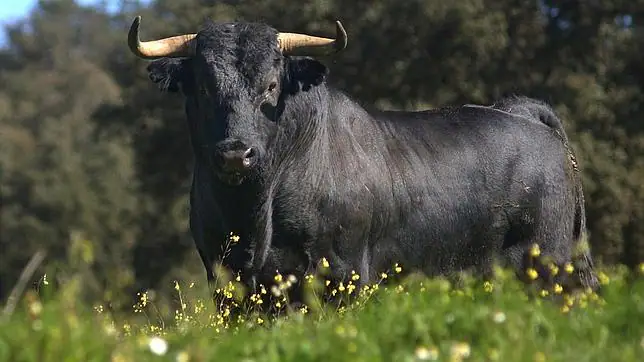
[
  {"x": 171, "y": 75},
  {"x": 307, "y": 72}
]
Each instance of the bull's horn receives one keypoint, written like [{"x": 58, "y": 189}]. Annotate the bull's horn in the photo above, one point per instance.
[
  {"x": 293, "y": 43},
  {"x": 176, "y": 46}
]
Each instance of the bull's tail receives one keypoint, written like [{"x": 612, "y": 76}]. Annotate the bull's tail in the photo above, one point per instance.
[
  {"x": 584, "y": 268},
  {"x": 584, "y": 274}
]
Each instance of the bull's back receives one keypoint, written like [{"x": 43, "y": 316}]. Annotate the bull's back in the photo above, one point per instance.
[{"x": 458, "y": 181}]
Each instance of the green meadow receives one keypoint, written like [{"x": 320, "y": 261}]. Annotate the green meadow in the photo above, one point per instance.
[{"x": 416, "y": 319}]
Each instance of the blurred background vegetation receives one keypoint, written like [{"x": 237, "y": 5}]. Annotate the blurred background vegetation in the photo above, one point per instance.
[{"x": 95, "y": 163}]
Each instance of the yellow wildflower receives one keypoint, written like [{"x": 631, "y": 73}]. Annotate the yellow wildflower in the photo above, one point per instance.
[
  {"x": 325, "y": 263},
  {"x": 350, "y": 288},
  {"x": 554, "y": 269},
  {"x": 352, "y": 347},
  {"x": 535, "y": 251},
  {"x": 354, "y": 276},
  {"x": 35, "y": 308},
  {"x": 397, "y": 268},
  {"x": 558, "y": 288},
  {"x": 569, "y": 268},
  {"x": 183, "y": 357},
  {"x": 532, "y": 273},
  {"x": 460, "y": 350},
  {"x": 539, "y": 357}
]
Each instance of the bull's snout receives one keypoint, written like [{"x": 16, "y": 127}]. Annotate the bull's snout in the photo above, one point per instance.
[
  {"x": 234, "y": 157},
  {"x": 237, "y": 160}
]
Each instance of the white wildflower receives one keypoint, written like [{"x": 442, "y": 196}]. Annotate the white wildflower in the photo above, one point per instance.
[
  {"x": 498, "y": 317},
  {"x": 426, "y": 354},
  {"x": 158, "y": 346}
]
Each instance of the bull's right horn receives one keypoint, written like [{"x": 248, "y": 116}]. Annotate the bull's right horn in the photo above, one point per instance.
[{"x": 172, "y": 47}]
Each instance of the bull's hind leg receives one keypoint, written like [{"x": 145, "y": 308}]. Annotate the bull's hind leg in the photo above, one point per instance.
[
  {"x": 534, "y": 266},
  {"x": 543, "y": 251}
]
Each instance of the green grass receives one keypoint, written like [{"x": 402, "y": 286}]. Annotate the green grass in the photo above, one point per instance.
[{"x": 421, "y": 319}]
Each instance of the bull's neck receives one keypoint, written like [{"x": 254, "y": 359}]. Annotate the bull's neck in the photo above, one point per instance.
[
  {"x": 314, "y": 124},
  {"x": 318, "y": 109}
]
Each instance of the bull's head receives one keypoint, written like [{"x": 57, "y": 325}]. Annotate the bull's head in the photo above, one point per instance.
[{"x": 234, "y": 76}]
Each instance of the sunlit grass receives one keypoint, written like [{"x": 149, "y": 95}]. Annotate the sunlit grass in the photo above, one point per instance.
[{"x": 416, "y": 319}]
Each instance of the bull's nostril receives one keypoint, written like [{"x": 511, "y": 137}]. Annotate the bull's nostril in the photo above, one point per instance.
[{"x": 248, "y": 155}]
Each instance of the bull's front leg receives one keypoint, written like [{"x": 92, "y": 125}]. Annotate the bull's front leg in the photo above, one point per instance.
[{"x": 206, "y": 241}]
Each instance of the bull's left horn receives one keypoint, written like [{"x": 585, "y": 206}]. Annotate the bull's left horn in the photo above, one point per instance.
[
  {"x": 176, "y": 46},
  {"x": 294, "y": 43}
]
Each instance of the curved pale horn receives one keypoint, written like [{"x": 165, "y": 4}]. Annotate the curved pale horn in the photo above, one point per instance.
[
  {"x": 302, "y": 44},
  {"x": 176, "y": 46}
]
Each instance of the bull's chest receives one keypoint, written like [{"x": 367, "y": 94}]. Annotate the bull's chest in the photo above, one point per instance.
[{"x": 329, "y": 214}]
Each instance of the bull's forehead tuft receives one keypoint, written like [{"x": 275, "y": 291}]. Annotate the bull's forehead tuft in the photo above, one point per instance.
[
  {"x": 240, "y": 39},
  {"x": 249, "y": 48}
]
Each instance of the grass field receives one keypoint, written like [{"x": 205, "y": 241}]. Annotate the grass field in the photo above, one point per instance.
[{"x": 418, "y": 320}]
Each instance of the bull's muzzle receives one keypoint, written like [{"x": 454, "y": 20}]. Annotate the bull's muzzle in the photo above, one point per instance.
[
  {"x": 236, "y": 160},
  {"x": 233, "y": 160}
]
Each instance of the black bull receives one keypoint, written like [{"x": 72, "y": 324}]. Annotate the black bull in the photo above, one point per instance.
[{"x": 299, "y": 171}]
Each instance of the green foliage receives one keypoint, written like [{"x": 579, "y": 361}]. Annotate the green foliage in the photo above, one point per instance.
[
  {"x": 420, "y": 319},
  {"x": 92, "y": 154}
]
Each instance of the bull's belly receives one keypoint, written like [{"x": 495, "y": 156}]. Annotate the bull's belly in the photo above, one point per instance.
[
  {"x": 435, "y": 254},
  {"x": 434, "y": 234},
  {"x": 433, "y": 247},
  {"x": 438, "y": 249}
]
